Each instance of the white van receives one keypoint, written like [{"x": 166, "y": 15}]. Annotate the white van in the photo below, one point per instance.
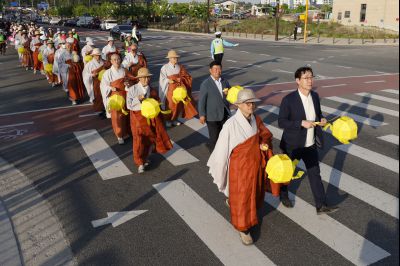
[
  {"x": 108, "y": 24},
  {"x": 83, "y": 21}
]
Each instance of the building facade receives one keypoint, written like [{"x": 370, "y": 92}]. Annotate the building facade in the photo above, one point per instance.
[{"x": 382, "y": 13}]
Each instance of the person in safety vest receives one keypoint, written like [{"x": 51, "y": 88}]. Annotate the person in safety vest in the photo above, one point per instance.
[
  {"x": 217, "y": 47},
  {"x": 2, "y": 43}
]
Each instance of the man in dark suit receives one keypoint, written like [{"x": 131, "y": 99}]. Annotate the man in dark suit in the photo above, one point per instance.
[
  {"x": 213, "y": 106},
  {"x": 301, "y": 118}
]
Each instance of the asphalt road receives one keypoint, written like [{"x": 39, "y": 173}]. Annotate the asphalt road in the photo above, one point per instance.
[{"x": 186, "y": 221}]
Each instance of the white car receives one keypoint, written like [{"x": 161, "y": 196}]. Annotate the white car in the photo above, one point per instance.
[
  {"x": 108, "y": 24},
  {"x": 54, "y": 20}
]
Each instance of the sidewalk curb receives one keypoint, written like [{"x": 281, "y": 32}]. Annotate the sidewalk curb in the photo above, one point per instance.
[{"x": 270, "y": 38}]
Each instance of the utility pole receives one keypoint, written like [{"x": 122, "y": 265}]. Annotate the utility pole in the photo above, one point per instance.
[
  {"x": 208, "y": 17},
  {"x": 277, "y": 20},
  {"x": 305, "y": 22}
]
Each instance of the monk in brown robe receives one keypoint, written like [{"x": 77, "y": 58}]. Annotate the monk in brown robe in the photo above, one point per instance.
[
  {"x": 148, "y": 135},
  {"x": 238, "y": 163},
  {"x": 133, "y": 61},
  {"x": 173, "y": 75},
  {"x": 27, "y": 60}
]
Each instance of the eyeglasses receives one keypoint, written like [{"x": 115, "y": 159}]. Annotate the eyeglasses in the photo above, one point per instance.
[
  {"x": 250, "y": 103},
  {"x": 308, "y": 78}
]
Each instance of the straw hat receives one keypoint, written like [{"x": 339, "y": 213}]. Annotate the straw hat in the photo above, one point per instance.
[
  {"x": 37, "y": 33},
  {"x": 110, "y": 39},
  {"x": 96, "y": 51},
  {"x": 143, "y": 72},
  {"x": 246, "y": 95},
  {"x": 50, "y": 41},
  {"x": 128, "y": 35},
  {"x": 172, "y": 54}
]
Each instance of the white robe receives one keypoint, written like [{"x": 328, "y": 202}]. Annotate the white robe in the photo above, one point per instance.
[
  {"x": 46, "y": 52},
  {"x": 57, "y": 55},
  {"x": 235, "y": 131},
  {"x": 87, "y": 76},
  {"x": 106, "y": 50},
  {"x": 132, "y": 98},
  {"x": 33, "y": 42},
  {"x": 109, "y": 76},
  {"x": 86, "y": 50},
  {"x": 64, "y": 67},
  {"x": 129, "y": 60},
  {"x": 166, "y": 70}
]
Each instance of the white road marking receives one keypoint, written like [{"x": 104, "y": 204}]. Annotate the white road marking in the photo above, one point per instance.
[
  {"x": 285, "y": 58},
  {"x": 331, "y": 56},
  {"x": 364, "y": 106},
  {"x": 378, "y": 97},
  {"x": 178, "y": 156},
  {"x": 321, "y": 59},
  {"x": 392, "y": 91},
  {"x": 390, "y": 138},
  {"x": 90, "y": 114},
  {"x": 46, "y": 109},
  {"x": 196, "y": 65},
  {"x": 265, "y": 54},
  {"x": 337, "y": 236},
  {"x": 216, "y": 232},
  {"x": 182, "y": 51},
  {"x": 104, "y": 159},
  {"x": 117, "y": 218},
  {"x": 235, "y": 67},
  {"x": 245, "y": 52},
  {"x": 18, "y": 124},
  {"x": 374, "y": 81},
  {"x": 370, "y": 156},
  {"x": 380, "y": 72},
  {"x": 358, "y": 118},
  {"x": 196, "y": 53},
  {"x": 331, "y": 86},
  {"x": 233, "y": 61},
  {"x": 346, "y": 67},
  {"x": 282, "y": 71}
]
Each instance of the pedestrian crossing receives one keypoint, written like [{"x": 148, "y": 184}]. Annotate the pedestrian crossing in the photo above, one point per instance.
[{"x": 216, "y": 232}]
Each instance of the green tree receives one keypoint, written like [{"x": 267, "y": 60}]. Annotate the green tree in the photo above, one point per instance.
[
  {"x": 300, "y": 9},
  {"x": 159, "y": 8},
  {"x": 65, "y": 11},
  {"x": 80, "y": 10},
  {"x": 180, "y": 9},
  {"x": 53, "y": 12}
]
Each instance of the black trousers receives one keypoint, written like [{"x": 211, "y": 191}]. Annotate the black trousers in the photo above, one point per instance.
[
  {"x": 214, "y": 127},
  {"x": 310, "y": 157},
  {"x": 218, "y": 58}
]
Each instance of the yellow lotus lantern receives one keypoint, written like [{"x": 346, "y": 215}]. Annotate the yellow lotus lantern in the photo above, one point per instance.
[
  {"x": 40, "y": 57},
  {"x": 343, "y": 129},
  {"x": 117, "y": 103},
  {"x": 280, "y": 169},
  {"x": 180, "y": 95},
  {"x": 21, "y": 50},
  {"x": 87, "y": 58},
  {"x": 150, "y": 108},
  {"x": 48, "y": 68},
  {"x": 233, "y": 93},
  {"x": 101, "y": 74}
]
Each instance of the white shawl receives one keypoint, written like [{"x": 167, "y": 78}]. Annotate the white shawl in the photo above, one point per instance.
[
  {"x": 87, "y": 76},
  {"x": 166, "y": 70},
  {"x": 109, "y": 76},
  {"x": 235, "y": 131}
]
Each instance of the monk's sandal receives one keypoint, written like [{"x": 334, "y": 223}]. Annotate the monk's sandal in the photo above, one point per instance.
[
  {"x": 141, "y": 169},
  {"x": 246, "y": 238}
]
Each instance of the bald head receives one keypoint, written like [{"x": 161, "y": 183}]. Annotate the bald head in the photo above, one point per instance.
[{"x": 116, "y": 60}]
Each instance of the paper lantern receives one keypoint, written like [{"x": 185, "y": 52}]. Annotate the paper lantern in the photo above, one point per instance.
[
  {"x": 150, "y": 108},
  {"x": 180, "y": 95},
  {"x": 343, "y": 129},
  {"x": 48, "y": 68},
  {"x": 87, "y": 58},
  {"x": 101, "y": 74},
  {"x": 21, "y": 50},
  {"x": 233, "y": 94},
  {"x": 280, "y": 169},
  {"x": 40, "y": 57},
  {"x": 117, "y": 103}
]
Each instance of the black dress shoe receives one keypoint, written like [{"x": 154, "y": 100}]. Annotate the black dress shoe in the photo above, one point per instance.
[
  {"x": 286, "y": 202},
  {"x": 326, "y": 209}
]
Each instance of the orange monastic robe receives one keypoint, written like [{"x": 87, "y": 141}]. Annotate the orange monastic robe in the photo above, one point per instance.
[
  {"x": 187, "y": 110},
  {"x": 52, "y": 77},
  {"x": 98, "y": 105},
  {"x": 76, "y": 88},
  {"x": 37, "y": 65},
  {"x": 147, "y": 135},
  {"x": 119, "y": 121},
  {"x": 27, "y": 60}
]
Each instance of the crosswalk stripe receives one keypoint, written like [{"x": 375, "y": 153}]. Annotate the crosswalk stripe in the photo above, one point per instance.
[
  {"x": 360, "y": 119},
  {"x": 337, "y": 236},
  {"x": 355, "y": 187},
  {"x": 178, "y": 156},
  {"x": 213, "y": 229},
  {"x": 378, "y": 97},
  {"x": 390, "y": 138},
  {"x": 392, "y": 91},
  {"x": 104, "y": 159},
  {"x": 364, "y": 106},
  {"x": 370, "y": 156}
]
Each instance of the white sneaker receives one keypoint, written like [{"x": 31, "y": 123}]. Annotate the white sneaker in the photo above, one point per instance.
[
  {"x": 121, "y": 141},
  {"x": 176, "y": 123},
  {"x": 73, "y": 102},
  {"x": 140, "y": 169}
]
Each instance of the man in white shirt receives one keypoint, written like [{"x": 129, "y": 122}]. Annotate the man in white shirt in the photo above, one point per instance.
[{"x": 301, "y": 118}]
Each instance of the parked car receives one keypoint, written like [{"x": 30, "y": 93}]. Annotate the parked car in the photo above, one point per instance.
[
  {"x": 83, "y": 21},
  {"x": 108, "y": 24},
  {"x": 94, "y": 24},
  {"x": 119, "y": 32},
  {"x": 55, "y": 20},
  {"x": 70, "y": 23}
]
